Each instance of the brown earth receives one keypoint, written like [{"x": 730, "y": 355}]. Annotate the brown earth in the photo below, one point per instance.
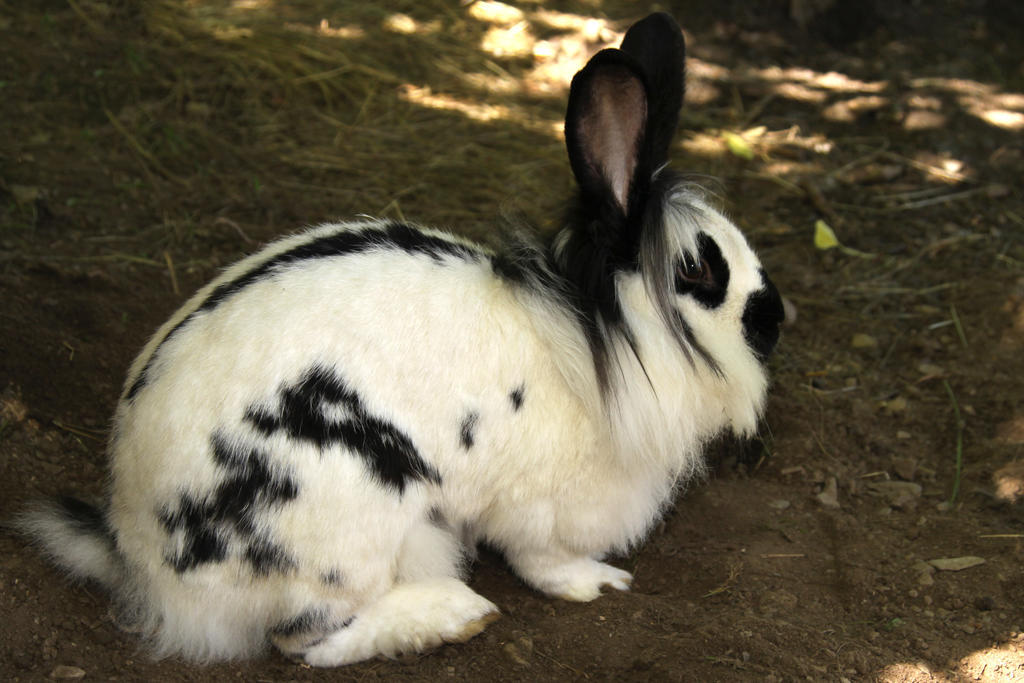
[{"x": 145, "y": 145}]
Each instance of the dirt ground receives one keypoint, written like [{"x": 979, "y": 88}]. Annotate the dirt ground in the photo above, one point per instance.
[{"x": 147, "y": 144}]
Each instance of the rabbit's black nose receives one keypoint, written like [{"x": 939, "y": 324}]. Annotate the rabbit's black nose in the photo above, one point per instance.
[{"x": 762, "y": 316}]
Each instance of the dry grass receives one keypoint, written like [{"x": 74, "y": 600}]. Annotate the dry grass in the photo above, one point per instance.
[{"x": 237, "y": 117}]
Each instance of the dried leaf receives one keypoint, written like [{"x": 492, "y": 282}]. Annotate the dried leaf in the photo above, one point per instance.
[
  {"x": 955, "y": 564},
  {"x": 863, "y": 341},
  {"x": 26, "y": 194}
]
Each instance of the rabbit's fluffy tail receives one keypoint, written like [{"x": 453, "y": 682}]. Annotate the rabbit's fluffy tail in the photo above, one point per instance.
[{"x": 76, "y": 536}]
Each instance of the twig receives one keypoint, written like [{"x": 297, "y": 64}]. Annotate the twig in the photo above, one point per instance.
[
  {"x": 221, "y": 220},
  {"x": 755, "y": 111},
  {"x": 170, "y": 269},
  {"x": 781, "y": 182},
  {"x": 1001, "y": 536},
  {"x": 959, "y": 442},
  {"x": 927, "y": 168},
  {"x": 561, "y": 664},
  {"x": 782, "y": 555},
  {"x": 959, "y": 327},
  {"x": 118, "y": 256},
  {"x": 734, "y": 572},
  {"x": 77, "y": 431},
  {"x": 941, "y": 199},
  {"x": 867, "y": 158}
]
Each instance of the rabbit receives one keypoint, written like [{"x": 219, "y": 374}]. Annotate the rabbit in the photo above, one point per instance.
[{"x": 307, "y": 453}]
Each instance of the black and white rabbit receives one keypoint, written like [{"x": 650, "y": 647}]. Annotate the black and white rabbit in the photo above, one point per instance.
[{"x": 307, "y": 451}]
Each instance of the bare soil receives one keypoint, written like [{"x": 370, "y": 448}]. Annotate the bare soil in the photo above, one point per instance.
[{"x": 146, "y": 145}]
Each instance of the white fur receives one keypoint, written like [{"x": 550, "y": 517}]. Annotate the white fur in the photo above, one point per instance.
[{"x": 556, "y": 484}]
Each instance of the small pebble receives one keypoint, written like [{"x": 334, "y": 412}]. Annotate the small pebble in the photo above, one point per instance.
[
  {"x": 898, "y": 494},
  {"x": 65, "y": 672},
  {"x": 905, "y": 467},
  {"x": 829, "y": 496}
]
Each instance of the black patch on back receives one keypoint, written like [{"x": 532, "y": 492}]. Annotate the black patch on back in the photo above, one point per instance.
[
  {"x": 516, "y": 396},
  {"x": 300, "y": 414},
  {"x": 712, "y": 293},
  {"x": 211, "y": 523},
  {"x": 204, "y": 539},
  {"x": 466, "y": 430},
  {"x": 762, "y": 315},
  {"x": 344, "y": 242},
  {"x": 334, "y": 577}
]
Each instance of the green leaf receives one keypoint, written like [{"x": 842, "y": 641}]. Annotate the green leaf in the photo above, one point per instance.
[
  {"x": 738, "y": 146},
  {"x": 824, "y": 237}
]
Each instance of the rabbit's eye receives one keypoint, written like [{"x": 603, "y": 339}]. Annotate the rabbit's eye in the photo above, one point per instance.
[
  {"x": 704, "y": 275},
  {"x": 692, "y": 272}
]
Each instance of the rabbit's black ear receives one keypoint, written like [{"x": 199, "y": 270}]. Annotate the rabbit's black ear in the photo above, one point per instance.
[
  {"x": 604, "y": 131},
  {"x": 657, "y": 44}
]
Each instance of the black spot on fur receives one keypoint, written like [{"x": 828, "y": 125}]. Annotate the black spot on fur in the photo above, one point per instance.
[
  {"x": 310, "y": 620},
  {"x": 516, "y": 396},
  {"x": 209, "y": 523},
  {"x": 437, "y": 518},
  {"x": 762, "y": 315},
  {"x": 387, "y": 451},
  {"x": 313, "y": 618},
  {"x": 334, "y": 577},
  {"x": 466, "y": 431},
  {"x": 342, "y": 243},
  {"x": 203, "y": 539},
  {"x": 267, "y": 557}
]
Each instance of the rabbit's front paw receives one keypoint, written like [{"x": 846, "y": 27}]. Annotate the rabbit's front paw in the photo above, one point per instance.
[{"x": 579, "y": 579}]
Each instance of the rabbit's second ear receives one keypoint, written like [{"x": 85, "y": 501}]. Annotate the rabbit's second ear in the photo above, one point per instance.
[
  {"x": 604, "y": 129},
  {"x": 657, "y": 44}
]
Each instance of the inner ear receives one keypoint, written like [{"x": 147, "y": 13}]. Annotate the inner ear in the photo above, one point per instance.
[
  {"x": 604, "y": 129},
  {"x": 612, "y": 130}
]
